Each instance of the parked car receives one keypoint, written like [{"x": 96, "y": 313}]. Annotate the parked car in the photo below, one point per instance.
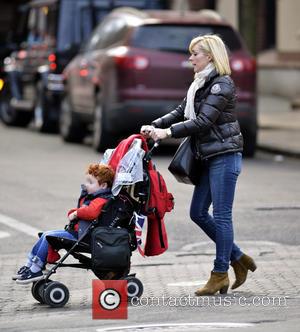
[
  {"x": 134, "y": 68},
  {"x": 56, "y": 30},
  {"x": 12, "y": 32}
]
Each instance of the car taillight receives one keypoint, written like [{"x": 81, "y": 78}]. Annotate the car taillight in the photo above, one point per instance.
[
  {"x": 83, "y": 72},
  {"x": 243, "y": 64},
  {"x": 137, "y": 62},
  {"x": 52, "y": 61},
  {"x": 22, "y": 54}
]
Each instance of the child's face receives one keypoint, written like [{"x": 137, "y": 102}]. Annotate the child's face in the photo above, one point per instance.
[{"x": 91, "y": 183}]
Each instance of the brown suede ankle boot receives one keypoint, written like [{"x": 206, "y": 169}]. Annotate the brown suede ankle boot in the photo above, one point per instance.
[
  {"x": 218, "y": 281},
  {"x": 240, "y": 268}
]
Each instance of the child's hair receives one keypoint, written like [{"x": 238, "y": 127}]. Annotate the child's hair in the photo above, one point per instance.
[{"x": 103, "y": 173}]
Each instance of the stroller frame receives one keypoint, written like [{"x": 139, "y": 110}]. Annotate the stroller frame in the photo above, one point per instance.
[{"x": 56, "y": 294}]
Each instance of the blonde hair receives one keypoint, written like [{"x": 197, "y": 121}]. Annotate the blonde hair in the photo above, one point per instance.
[{"x": 214, "y": 46}]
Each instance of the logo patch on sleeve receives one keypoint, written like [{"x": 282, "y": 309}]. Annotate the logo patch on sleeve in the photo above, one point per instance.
[{"x": 215, "y": 88}]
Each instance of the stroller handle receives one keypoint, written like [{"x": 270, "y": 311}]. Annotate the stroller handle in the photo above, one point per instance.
[
  {"x": 156, "y": 145},
  {"x": 148, "y": 155}
]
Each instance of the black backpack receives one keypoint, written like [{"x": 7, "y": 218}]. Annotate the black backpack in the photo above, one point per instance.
[
  {"x": 114, "y": 239},
  {"x": 110, "y": 249}
]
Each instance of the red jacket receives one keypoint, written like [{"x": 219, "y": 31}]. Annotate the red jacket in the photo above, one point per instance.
[{"x": 89, "y": 212}]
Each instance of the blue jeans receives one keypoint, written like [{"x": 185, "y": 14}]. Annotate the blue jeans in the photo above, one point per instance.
[
  {"x": 39, "y": 252},
  {"x": 217, "y": 186}
]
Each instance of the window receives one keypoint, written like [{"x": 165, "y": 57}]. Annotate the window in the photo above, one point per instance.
[
  {"x": 176, "y": 38},
  {"x": 77, "y": 20},
  {"x": 110, "y": 32}
]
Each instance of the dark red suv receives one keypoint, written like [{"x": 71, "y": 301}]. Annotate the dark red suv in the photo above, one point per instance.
[{"x": 135, "y": 68}]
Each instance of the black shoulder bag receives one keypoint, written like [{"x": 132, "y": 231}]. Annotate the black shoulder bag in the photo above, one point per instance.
[{"x": 184, "y": 166}]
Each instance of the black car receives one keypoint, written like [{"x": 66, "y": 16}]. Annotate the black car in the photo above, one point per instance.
[{"x": 12, "y": 32}]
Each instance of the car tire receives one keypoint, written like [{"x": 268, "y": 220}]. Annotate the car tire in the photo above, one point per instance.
[
  {"x": 11, "y": 116},
  {"x": 102, "y": 138},
  {"x": 70, "y": 128},
  {"x": 42, "y": 110}
]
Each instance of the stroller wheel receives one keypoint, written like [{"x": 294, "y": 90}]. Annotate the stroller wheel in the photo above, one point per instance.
[
  {"x": 56, "y": 294},
  {"x": 135, "y": 287},
  {"x": 37, "y": 290}
]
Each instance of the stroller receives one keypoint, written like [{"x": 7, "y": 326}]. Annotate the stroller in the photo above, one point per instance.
[{"x": 116, "y": 227}]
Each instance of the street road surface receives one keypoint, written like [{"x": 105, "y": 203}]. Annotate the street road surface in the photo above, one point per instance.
[{"x": 40, "y": 180}]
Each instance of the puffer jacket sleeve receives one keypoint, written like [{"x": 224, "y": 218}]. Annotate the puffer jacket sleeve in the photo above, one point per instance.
[
  {"x": 175, "y": 116},
  {"x": 209, "y": 110}
]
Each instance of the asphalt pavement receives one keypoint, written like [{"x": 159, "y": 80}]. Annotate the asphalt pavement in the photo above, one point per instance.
[{"x": 269, "y": 299}]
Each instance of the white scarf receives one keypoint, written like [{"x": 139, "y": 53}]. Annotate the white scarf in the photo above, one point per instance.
[{"x": 199, "y": 80}]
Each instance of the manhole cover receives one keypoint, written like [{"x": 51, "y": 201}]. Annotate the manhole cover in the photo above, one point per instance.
[{"x": 190, "y": 327}]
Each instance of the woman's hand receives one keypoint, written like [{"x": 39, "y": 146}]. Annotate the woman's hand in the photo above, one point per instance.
[
  {"x": 159, "y": 134},
  {"x": 147, "y": 131}
]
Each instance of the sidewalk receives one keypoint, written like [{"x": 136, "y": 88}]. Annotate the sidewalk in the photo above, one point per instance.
[
  {"x": 279, "y": 126},
  {"x": 174, "y": 274}
]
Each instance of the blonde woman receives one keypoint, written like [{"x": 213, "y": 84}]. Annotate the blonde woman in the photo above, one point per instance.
[{"x": 208, "y": 115}]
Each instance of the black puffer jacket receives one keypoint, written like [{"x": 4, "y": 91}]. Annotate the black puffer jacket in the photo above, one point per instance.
[{"x": 216, "y": 129}]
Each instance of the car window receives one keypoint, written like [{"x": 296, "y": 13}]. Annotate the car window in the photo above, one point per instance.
[
  {"x": 77, "y": 20},
  {"x": 109, "y": 32},
  {"x": 176, "y": 38}
]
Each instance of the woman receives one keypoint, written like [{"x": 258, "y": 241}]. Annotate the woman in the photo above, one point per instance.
[{"x": 208, "y": 115}]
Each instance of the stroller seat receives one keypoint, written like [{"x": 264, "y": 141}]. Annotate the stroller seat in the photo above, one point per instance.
[{"x": 63, "y": 243}]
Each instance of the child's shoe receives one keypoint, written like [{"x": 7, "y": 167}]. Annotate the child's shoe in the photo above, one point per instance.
[
  {"x": 30, "y": 276},
  {"x": 20, "y": 272}
]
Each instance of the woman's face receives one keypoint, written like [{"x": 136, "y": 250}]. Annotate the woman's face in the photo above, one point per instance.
[{"x": 198, "y": 59}]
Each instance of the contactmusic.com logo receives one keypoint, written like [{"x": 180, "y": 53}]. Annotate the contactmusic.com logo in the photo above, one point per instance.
[{"x": 110, "y": 299}]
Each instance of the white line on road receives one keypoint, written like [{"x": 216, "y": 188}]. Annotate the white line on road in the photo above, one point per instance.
[
  {"x": 18, "y": 225},
  {"x": 4, "y": 234},
  {"x": 193, "y": 246},
  {"x": 149, "y": 327},
  {"x": 188, "y": 283}
]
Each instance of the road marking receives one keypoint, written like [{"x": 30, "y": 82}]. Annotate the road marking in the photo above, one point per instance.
[
  {"x": 4, "y": 234},
  {"x": 193, "y": 246},
  {"x": 188, "y": 283},
  {"x": 150, "y": 327},
  {"x": 18, "y": 225}
]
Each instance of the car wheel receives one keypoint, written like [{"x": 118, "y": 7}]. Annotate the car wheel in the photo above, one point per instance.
[
  {"x": 11, "y": 116},
  {"x": 42, "y": 109},
  {"x": 71, "y": 130},
  {"x": 102, "y": 139}
]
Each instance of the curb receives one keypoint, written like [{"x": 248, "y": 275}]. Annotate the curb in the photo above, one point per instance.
[{"x": 275, "y": 150}]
